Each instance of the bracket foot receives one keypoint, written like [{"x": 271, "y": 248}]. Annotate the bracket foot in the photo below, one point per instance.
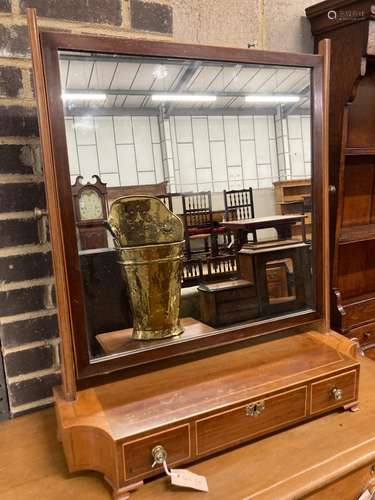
[{"x": 123, "y": 492}]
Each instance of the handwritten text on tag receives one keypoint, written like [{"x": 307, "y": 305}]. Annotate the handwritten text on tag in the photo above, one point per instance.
[{"x": 186, "y": 479}]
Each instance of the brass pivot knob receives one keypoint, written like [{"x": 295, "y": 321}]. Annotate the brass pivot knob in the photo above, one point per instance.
[
  {"x": 39, "y": 213},
  {"x": 337, "y": 393},
  {"x": 255, "y": 409},
  {"x": 159, "y": 454}
]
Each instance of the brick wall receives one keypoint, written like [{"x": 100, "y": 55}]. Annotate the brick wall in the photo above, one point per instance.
[{"x": 29, "y": 334}]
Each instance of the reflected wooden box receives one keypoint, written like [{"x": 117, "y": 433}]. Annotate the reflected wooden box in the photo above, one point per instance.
[
  {"x": 277, "y": 279},
  {"x": 256, "y": 263},
  {"x": 228, "y": 302}
]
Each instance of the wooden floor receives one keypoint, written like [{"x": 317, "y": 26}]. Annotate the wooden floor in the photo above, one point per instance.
[{"x": 32, "y": 465}]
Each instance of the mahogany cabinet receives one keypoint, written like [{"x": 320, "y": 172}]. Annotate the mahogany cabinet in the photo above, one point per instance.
[
  {"x": 124, "y": 411},
  {"x": 351, "y": 29}
]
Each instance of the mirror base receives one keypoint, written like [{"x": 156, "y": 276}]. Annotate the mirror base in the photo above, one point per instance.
[{"x": 200, "y": 407}]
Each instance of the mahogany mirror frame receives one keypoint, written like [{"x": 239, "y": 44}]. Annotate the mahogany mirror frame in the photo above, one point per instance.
[{"x": 77, "y": 365}]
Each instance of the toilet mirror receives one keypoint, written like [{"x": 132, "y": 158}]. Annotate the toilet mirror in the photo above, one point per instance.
[{"x": 223, "y": 142}]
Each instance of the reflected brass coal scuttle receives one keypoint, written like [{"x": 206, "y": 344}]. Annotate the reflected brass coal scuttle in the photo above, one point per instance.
[{"x": 149, "y": 241}]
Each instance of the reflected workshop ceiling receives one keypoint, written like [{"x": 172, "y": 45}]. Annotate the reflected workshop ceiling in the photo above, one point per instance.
[{"x": 129, "y": 83}]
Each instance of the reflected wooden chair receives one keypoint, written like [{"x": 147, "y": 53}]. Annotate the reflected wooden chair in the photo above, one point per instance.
[
  {"x": 167, "y": 200},
  {"x": 239, "y": 205},
  {"x": 222, "y": 267},
  {"x": 198, "y": 222},
  {"x": 192, "y": 272}
]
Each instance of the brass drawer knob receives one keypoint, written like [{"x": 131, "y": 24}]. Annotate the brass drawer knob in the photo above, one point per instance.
[
  {"x": 255, "y": 409},
  {"x": 337, "y": 393},
  {"x": 159, "y": 454}
]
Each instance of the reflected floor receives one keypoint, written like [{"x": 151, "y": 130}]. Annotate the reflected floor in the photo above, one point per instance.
[{"x": 121, "y": 341}]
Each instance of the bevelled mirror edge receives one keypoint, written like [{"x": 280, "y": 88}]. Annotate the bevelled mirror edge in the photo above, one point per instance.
[{"x": 51, "y": 42}]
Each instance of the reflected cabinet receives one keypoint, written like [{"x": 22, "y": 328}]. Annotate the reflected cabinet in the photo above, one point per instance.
[{"x": 187, "y": 197}]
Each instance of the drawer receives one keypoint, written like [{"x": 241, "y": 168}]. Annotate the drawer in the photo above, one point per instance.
[
  {"x": 322, "y": 396},
  {"x": 240, "y": 423},
  {"x": 358, "y": 312},
  {"x": 137, "y": 454},
  {"x": 235, "y": 294},
  {"x": 365, "y": 334},
  {"x": 226, "y": 318},
  {"x": 248, "y": 304}
]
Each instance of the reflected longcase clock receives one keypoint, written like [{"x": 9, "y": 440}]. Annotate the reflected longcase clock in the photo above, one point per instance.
[{"x": 90, "y": 210}]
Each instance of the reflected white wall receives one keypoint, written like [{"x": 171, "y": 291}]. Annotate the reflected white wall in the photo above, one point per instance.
[{"x": 191, "y": 152}]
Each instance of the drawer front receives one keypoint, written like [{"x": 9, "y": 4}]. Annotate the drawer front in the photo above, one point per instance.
[
  {"x": 226, "y": 318},
  {"x": 247, "y": 304},
  {"x": 365, "y": 334},
  {"x": 137, "y": 454},
  {"x": 239, "y": 424},
  {"x": 358, "y": 313},
  {"x": 235, "y": 294},
  {"x": 323, "y": 392}
]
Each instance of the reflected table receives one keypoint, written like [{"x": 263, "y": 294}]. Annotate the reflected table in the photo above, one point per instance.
[{"x": 282, "y": 223}]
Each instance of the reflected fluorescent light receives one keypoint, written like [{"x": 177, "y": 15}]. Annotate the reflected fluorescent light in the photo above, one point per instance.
[
  {"x": 160, "y": 72},
  {"x": 262, "y": 98},
  {"x": 183, "y": 97},
  {"x": 83, "y": 96}
]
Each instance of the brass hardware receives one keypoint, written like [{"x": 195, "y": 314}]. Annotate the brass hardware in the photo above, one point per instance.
[
  {"x": 337, "y": 393},
  {"x": 255, "y": 409},
  {"x": 39, "y": 213},
  {"x": 358, "y": 346},
  {"x": 159, "y": 454}
]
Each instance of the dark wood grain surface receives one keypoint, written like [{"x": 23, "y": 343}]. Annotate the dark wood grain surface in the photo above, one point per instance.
[{"x": 352, "y": 154}]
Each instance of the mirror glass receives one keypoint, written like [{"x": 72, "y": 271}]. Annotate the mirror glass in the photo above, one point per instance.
[{"x": 227, "y": 148}]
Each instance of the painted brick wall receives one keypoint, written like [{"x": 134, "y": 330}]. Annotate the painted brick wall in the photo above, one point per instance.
[{"x": 29, "y": 334}]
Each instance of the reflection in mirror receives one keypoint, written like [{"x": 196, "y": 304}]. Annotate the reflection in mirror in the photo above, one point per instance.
[
  {"x": 227, "y": 148},
  {"x": 280, "y": 281}
]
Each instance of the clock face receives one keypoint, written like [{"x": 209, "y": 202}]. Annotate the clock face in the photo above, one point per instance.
[{"x": 90, "y": 205}]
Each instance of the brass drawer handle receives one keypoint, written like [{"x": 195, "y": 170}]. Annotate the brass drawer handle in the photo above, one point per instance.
[
  {"x": 159, "y": 454},
  {"x": 255, "y": 409},
  {"x": 337, "y": 393}
]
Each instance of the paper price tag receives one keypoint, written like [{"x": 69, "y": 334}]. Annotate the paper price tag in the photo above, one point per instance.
[
  {"x": 366, "y": 495},
  {"x": 186, "y": 479}
]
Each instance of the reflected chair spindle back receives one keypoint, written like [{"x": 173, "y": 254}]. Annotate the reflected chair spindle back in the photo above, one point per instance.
[
  {"x": 197, "y": 210},
  {"x": 239, "y": 202},
  {"x": 167, "y": 200}
]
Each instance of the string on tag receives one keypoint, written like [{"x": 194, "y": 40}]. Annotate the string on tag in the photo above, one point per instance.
[
  {"x": 179, "y": 477},
  {"x": 167, "y": 471}
]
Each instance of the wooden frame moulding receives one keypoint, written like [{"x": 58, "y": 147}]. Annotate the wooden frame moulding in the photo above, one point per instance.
[{"x": 72, "y": 323}]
